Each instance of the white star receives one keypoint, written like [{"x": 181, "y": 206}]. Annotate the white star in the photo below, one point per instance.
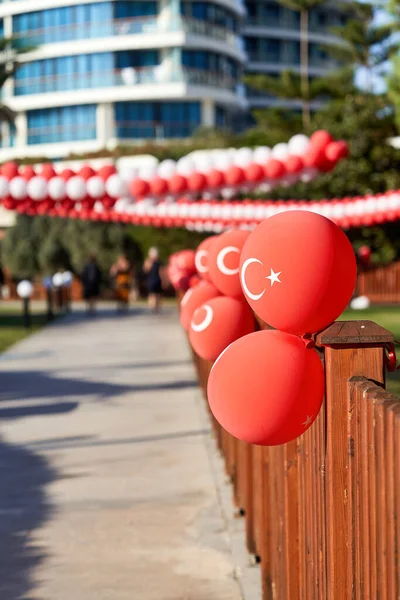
[
  {"x": 308, "y": 421},
  {"x": 274, "y": 277}
]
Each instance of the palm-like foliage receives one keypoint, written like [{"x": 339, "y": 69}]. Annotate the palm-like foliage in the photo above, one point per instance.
[{"x": 9, "y": 51}]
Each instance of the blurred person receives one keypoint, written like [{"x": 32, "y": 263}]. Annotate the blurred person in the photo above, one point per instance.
[
  {"x": 152, "y": 270},
  {"x": 91, "y": 278},
  {"x": 121, "y": 274}
]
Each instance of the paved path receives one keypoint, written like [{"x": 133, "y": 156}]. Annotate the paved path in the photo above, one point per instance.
[{"x": 107, "y": 491}]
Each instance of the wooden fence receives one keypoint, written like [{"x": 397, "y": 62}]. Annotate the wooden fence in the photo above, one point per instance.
[
  {"x": 323, "y": 512},
  {"x": 381, "y": 284}
]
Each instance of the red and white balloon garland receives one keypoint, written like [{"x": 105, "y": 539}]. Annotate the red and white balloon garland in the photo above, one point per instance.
[{"x": 297, "y": 271}]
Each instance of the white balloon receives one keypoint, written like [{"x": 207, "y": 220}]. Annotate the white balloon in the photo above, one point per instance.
[
  {"x": 116, "y": 186},
  {"x": 166, "y": 169},
  {"x": 4, "y": 187},
  {"x": 17, "y": 188},
  {"x": 147, "y": 172},
  {"x": 37, "y": 188},
  {"x": 122, "y": 204},
  {"x": 58, "y": 279},
  {"x": 185, "y": 166},
  {"x": 67, "y": 278},
  {"x": 298, "y": 144},
  {"x": 56, "y": 188},
  {"x": 261, "y": 154},
  {"x": 25, "y": 289},
  {"x": 228, "y": 192},
  {"x": 288, "y": 180},
  {"x": 280, "y": 152},
  {"x": 96, "y": 187},
  {"x": 128, "y": 173},
  {"x": 203, "y": 164},
  {"x": 360, "y": 303},
  {"x": 243, "y": 157},
  {"x": 76, "y": 188},
  {"x": 223, "y": 161}
]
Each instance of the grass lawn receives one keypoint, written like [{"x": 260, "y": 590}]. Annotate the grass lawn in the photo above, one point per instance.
[
  {"x": 389, "y": 318},
  {"x": 12, "y": 328}
]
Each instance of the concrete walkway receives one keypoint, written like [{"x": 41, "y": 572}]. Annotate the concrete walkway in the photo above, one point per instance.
[{"x": 107, "y": 490}]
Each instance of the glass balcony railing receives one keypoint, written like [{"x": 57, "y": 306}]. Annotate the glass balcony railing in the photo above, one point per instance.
[
  {"x": 120, "y": 27},
  {"x": 125, "y": 77},
  {"x": 291, "y": 20},
  {"x": 124, "y": 130},
  {"x": 290, "y": 60}
]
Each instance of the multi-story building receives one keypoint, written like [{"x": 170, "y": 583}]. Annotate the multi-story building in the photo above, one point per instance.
[
  {"x": 102, "y": 73},
  {"x": 98, "y": 73},
  {"x": 272, "y": 40}
]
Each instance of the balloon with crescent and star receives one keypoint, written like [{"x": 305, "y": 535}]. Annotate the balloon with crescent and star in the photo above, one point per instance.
[{"x": 224, "y": 262}]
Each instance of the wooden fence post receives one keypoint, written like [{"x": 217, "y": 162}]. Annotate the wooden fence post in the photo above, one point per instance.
[{"x": 351, "y": 348}]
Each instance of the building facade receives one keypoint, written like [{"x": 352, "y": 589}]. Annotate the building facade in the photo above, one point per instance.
[
  {"x": 101, "y": 73},
  {"x": 271, "y": 35}
]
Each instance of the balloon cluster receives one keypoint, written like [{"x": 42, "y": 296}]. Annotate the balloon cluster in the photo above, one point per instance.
[
  {"x": 209, "y": 172},
  {"x": 181, "y": 270},
  {"x": 297, "y": 272},
  {"x": 226, "y": 171}
]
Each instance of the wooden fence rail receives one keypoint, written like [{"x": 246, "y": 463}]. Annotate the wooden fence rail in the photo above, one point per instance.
[
  {"x": 380, "y": 284},
  {"x": 323, "y": 512}
]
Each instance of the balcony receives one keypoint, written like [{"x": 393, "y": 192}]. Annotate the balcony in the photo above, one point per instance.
[
  {"x": 123, "y": 27},
  {"x": 160, "y": 74}
]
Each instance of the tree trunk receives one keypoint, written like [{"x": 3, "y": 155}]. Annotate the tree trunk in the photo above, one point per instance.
[{"x": 305, "y": 84}]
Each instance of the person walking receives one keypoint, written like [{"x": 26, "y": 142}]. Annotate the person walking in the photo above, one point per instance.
[
  {"x": 121, "y": 274},
  {"x": 152, "y": 270},
  {"x": 91, "y": 278}
]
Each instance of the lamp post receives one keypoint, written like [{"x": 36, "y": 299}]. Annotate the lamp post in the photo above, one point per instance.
[
  {"x": 67, "y": 280},
  {"x": 58, "y": 282},
  {"x": 48, "y": 285},
  {"x": 25, "y": 291}
]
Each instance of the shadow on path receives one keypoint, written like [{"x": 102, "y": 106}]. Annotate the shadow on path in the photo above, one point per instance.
[
  {"x": 23, "y": 508},
  {"x": 24, "y": 385}
]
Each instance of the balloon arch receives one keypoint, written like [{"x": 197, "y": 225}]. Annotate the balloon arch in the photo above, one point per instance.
[{"x": 196, "y": 192}]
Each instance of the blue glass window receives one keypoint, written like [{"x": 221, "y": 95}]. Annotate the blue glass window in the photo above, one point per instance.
[
  {"x": 207, "y": 11},
  {"x": 209, "y": 61},
  {"x": 62, "y": 124},
  {"x": 156, "y": 119}
]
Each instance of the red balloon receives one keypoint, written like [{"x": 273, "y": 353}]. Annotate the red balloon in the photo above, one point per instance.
[
  {"x": 139, "y": 188},
  {"x": 201, "y": 257},
  {"x": 67, "y": 174},
  {"x": 298, "y": 271},
  {"x": 186, "y": 261},
  {"x": 86, "y": 172},
  {"x": 108, "y": 202},
  {"x": 158, "y": 186},
  {"x": 234, "y": 176},
  {"x": 255, "y": 173},
  {"x": 9, "y": 170},
  {"x": 28, "y": 172},
  {"x": 47, "y": 171},
  {"x": 315, "y": 157},
  {"x": 224, "y": 262},
  {"x": 215, "y": 179},
  {"x": 267, "y": 388},
  {"x": 106, "y": 171},
  {"x": 321, "y": 138},
  {"x": 178, "y": 184},
  {"x": 364, "y": 252},
  {"x": 197, "y": 182},
  {"x": 294, "y": 164},
  {"x": 194, "y": 281},
  {"x": 218, "y": 323},
  {"x": 194, "y": 298},
  {"x": 275, "y": 169},
  {"x": 335, "y": 151}
]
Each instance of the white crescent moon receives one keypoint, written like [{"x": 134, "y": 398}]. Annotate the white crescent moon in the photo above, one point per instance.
[
  {"x": 220, "y": 260},
  {"x": 198, "y": 261},
  {"x": 186, "y": 297},
  {"x": 249, "y": 262},
  {"x": 206, "y": 322}
]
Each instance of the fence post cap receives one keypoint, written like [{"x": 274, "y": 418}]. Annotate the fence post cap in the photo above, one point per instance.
[{"x": 354, "y": 333}]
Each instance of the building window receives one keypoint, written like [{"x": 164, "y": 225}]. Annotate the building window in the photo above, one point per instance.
[
  {"x": 137, "y": 120},
  {"x": 210, "y": 61},
  {"x": 62, "y": 124},
  {"x": 212, "y": 13}
]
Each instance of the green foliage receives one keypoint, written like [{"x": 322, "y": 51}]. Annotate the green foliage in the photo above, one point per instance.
[{"x": 42, "y": 245}]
